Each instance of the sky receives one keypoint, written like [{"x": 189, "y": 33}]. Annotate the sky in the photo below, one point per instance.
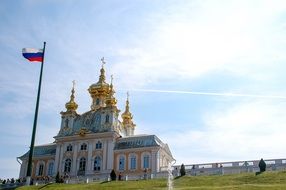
[{"x": 207, "y": 77}]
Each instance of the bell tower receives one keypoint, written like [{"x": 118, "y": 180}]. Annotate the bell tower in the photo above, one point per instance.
[
  {"x": 70, "y": 114},
  {"x": 112, "y": 111}
]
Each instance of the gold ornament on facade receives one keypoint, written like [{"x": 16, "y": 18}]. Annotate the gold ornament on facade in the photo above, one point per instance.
[{"x": 82, "y": 132}]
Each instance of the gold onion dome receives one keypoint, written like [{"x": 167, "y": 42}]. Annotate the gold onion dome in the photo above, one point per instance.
[
  {"x": 101, "y": 87},
  {"x": 127, "y": 116},
  {"x": 71, "y": 105}
]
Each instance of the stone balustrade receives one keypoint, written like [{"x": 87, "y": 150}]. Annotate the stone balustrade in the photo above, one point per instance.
[{"x": 227, "y": 167}]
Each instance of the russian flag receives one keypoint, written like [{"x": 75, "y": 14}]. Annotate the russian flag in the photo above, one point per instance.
[{"x": 33, "y": 54}]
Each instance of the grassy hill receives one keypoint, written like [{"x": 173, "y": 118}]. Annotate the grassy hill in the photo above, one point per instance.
[{"x": 247, "y": 181}]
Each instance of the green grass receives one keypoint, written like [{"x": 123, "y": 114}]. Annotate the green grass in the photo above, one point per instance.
[{"x": 247, "y": 181}]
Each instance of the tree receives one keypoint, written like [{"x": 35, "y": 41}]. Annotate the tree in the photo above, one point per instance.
[
  {"x": 262, "y": 165},
  {"x": 113, "y": 175},
  {"x": 183, "y": 170}
]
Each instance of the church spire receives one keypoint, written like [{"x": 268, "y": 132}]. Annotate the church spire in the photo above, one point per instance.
[
  {"x": 71, "y": 106},
  {"x": 127, "y": 116},
  {"x": 111, "y": 101},
  {"x": 128, "y": 125},
  {"x": 102, "y": 71}
]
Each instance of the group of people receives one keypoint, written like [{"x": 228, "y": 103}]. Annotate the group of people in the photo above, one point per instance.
[
  {"x": 43, "y": 179},
  {"x": 12, "y": 181}
]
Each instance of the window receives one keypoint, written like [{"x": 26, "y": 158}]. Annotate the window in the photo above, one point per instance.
[
  {"x": 97, "y": 163},
  {"x": 83, "y": 146},
  {"x": 97, "y": 101},
  {"x": 67, "y": 165},
  {"x": 121, "y": 163},
  {"x": 69, "y": 148},
  {"x": 98, "y": 145},
  {"x": 66, "y": 123},
  {"x": 97, "y": 119},
  {"x": 133, "y": 162},
  {"x": 146, "y": 161},
  {"x": 82, "y": 163},
  {"x": 107, "y": 118},
  {"x": 41, "y": 169},
  {"x": 50, "y": 168}
]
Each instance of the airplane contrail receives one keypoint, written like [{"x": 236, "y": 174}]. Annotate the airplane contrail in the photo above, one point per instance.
[{"x": 209, "y": 93}]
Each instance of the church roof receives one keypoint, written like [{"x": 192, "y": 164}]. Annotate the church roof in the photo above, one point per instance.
[
  {"x": 137, "y": 141},
  {"x": 42, "y": 150},
  {"x": 89, "y": 121}
]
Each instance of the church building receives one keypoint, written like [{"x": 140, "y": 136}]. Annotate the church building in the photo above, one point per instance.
[{"x": 94, "y": 143}]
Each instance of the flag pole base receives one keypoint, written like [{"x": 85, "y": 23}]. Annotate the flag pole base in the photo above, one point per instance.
[{"x": 28, "y": 180}]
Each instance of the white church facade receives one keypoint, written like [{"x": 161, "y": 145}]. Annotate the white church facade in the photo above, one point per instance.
[{"x": 94, "y": 143}]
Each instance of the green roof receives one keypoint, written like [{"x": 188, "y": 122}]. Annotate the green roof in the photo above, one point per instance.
[
  {"x": 42, "y": 150},
  {"x": 137, "y": 142}
]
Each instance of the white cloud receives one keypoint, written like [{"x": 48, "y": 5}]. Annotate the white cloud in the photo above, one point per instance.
[
  {"x": 231, "y": 36},
  {"x": 248, "y": 130}
]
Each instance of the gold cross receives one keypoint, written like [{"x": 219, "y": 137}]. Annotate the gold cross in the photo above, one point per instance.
[{"x": 102, "y": 61}]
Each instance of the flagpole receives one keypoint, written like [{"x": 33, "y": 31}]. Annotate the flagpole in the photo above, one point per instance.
[{"x": 29, "y": 171}]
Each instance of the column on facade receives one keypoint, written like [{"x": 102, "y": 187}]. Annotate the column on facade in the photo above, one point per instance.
[
  {"x": 153, "y": 161},
  {"x": 61, "y": 158},
  {"x": 57, "y": 159},
  {"x": 126, "y": 161},
  {"x": 104, "y": 158},
  {"x": 75, "y": 150},
  {"x": 89, "y": 158},
  {"x": 110, "y": 155},
  {"x": 158, "y": 155},
  {"x": 77, "y": 164},
  {"x": 34, "y": 165},
  {"x": 45, "y": 169}
]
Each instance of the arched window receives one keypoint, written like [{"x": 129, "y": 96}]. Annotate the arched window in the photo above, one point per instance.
[
  {"x": 50, "y": 168},
  {"x": 121, "y": 163},
  {"x": 107, "y": 118},
  {"x": 41, "y": 170},
  {"x": 67, "y": 165},
  {"x": 97, "y": 163},
  {"x": 146, "y": 161},
  {"x": 133, "y": 162},
  {"x": 69, "y": 148},
  {"x": 98, "y": 145},
  {"x": 83, "y": 146},
  {"x": 97, "y": 101},
  {"x": 82, "y": 164}
]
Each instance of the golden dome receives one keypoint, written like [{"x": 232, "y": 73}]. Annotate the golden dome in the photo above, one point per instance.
[
  {"x": 71, "y": 106},
  {"x": 101, "y": 87},
  {"x": 127, "y": 116}
]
